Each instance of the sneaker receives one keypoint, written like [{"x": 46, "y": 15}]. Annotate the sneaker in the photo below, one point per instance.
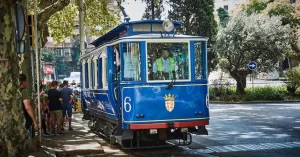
[
  {"x": 70, "y": 129},
  {"x": 46, "y": 134}
]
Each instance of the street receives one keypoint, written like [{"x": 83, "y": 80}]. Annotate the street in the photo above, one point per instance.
[{"x": 239, "y": 130}]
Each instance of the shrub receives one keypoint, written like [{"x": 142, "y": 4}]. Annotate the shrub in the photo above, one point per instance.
[
  {"x": 293, "y": 79},
  {"x": 251, "y": 94},
  {"x": 265, "y": 93}
]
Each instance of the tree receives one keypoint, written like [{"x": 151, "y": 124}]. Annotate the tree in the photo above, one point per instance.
[
  {"x": 258, "y": 38},
  {"x": 13, "y": 139},
  {"x": 223, "y": 16},
  {"x": 96, "y": 13},
  {"x": 198, "y": 19},
  {"x": 158, "y": 9},
  {"x": 290, "y": 15},
  {"x": 47, "y": 55},
  {"x": 75, "y": 55}
]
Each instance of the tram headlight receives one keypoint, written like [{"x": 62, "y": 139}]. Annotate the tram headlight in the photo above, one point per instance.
[{"x": 168, "y": 25}]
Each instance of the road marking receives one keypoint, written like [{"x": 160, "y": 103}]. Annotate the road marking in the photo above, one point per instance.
[{"x": 250, "y": 147}]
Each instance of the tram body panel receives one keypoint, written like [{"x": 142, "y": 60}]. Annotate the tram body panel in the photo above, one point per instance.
[
  {"x": 98, "y": 103},
  {"x": 158, "y": 104}
]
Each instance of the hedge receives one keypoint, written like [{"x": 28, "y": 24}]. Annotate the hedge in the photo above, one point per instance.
[{"x": 267, "y": 93}]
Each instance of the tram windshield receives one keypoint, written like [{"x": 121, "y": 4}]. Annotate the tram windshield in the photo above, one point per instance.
[{"x": 168, "y": 61}]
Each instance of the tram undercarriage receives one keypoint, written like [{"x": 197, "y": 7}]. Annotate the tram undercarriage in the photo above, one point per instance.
[{"x": 147, "y": 138}]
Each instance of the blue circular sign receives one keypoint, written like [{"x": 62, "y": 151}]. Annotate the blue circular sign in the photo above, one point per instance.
[{"x": 252, "y": 65}]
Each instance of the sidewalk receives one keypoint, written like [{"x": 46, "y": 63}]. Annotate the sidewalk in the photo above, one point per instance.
[{"x": 78, "y": 142}]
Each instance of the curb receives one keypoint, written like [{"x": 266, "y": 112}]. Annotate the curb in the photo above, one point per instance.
[{"x": 253, "y": 102}]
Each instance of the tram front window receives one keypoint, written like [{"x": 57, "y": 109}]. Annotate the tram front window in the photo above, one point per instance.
[
  {"x": 168, "y": 61},
  {"x": 131, "y": 65}
]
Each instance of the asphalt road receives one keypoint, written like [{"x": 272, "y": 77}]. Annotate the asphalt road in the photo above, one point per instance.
[{"x": 240, "y": 130}]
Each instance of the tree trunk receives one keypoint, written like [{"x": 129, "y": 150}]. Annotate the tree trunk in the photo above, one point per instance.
[
  {"x": 13, "y": 139},
  {"x": 241, "y": 84},
  {"x": 240, "y": 78}
]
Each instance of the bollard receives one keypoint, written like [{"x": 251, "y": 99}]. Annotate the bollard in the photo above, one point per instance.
[{"x": 79, "y": 105}]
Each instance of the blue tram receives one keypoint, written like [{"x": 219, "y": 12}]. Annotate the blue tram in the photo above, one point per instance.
[{"x": 144, "y": 86}]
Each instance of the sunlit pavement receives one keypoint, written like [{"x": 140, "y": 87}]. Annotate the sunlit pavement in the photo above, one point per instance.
[
  {"x": 254, "y": 130},
  {"x": 235, "y": 130}
]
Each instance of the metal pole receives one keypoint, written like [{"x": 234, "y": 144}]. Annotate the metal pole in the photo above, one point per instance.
[
  {"x": 252, "y": 81},
  {"x": 81, "y": 26},
  {"x": 37, "y": 66}
]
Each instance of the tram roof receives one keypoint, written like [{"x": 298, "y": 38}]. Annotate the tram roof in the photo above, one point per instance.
[
  {"x": 117, "y": 31},
  {"x": 159, "y": 36}
]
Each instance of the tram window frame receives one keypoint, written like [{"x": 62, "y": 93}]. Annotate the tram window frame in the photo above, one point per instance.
[
  {"x": 199, "y": 75},
  {"x": 148, "y": 71},
  {"x": 95, "y": 61},
  {"x": 104, "y": 70},
  {"x": 90, "y": 74},
  {"x": 138, "y": 70}
]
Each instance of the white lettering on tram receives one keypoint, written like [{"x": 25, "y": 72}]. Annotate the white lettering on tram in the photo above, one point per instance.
[{"x": 127, "y": 105}]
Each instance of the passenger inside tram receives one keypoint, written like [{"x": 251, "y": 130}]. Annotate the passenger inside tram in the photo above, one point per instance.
[
  {"x": 164, "y": 67},
  {"x": 168, "y": 61}
]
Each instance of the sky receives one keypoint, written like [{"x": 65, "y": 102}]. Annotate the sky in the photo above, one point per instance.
[{"x": 135, "y": 9}]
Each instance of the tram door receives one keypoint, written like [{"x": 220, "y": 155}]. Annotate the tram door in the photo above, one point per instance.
[{"x": 116, "y": 74}]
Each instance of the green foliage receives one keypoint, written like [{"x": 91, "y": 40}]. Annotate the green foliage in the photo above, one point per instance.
[
  {"x": 63, "y": 68},
  {"x": 158, "y": 9},
  {"x": 223, "y": 16},
  {"x": 97, "y": 13},
  {"x": 62, "y": 23},
  {"x": 286, "y": 12},
  {"x": 47, "y": 55},
  {"x": 98, "y": 19},
  {"x": 251, "y": 94},
  {"x": 75, "y": 55},
  {"x": 256, "y": 6},
  {"x": 198, "y": 19},
  {"x": 293, "y": 79},
  {"x": 265, "y": 93}
]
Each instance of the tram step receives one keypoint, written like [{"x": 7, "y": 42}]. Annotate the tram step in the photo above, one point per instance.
[{"x": 118, "y": 139}]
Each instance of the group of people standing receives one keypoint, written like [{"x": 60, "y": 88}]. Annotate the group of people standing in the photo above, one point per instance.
[
  {"x": 56, "y": 103},
  {"x": 59, "y": 105}
]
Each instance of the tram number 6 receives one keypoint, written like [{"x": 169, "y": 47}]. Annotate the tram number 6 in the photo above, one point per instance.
[{"x": 127, "y": 105}]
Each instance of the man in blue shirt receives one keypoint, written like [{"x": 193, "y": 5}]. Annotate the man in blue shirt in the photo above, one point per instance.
[{"x": 68, "y": 97}]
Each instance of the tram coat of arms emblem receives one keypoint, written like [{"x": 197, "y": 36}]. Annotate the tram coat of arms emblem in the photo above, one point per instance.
[{"x": 169, "y": 102}]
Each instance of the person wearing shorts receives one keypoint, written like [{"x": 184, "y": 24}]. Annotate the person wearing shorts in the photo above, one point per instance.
[
  {"x": 55, "y": 107},
  {"x": 68, "y": 97}
]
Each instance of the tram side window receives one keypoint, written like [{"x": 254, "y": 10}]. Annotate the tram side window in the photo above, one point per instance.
[
  {"x": 131, "y": 66},
  {"x": 168, "y": 61},
  {"x": 198, "y": 61}
]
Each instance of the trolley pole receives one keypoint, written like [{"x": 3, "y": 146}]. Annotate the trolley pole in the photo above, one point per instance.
[
  {"x": 152, "y": 9},
  {"x": 81, "y": 26},
  {"x": 37, "y": 66}
]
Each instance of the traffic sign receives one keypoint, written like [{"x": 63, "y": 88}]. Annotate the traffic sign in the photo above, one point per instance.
[{"x": 252, "y": 65}]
